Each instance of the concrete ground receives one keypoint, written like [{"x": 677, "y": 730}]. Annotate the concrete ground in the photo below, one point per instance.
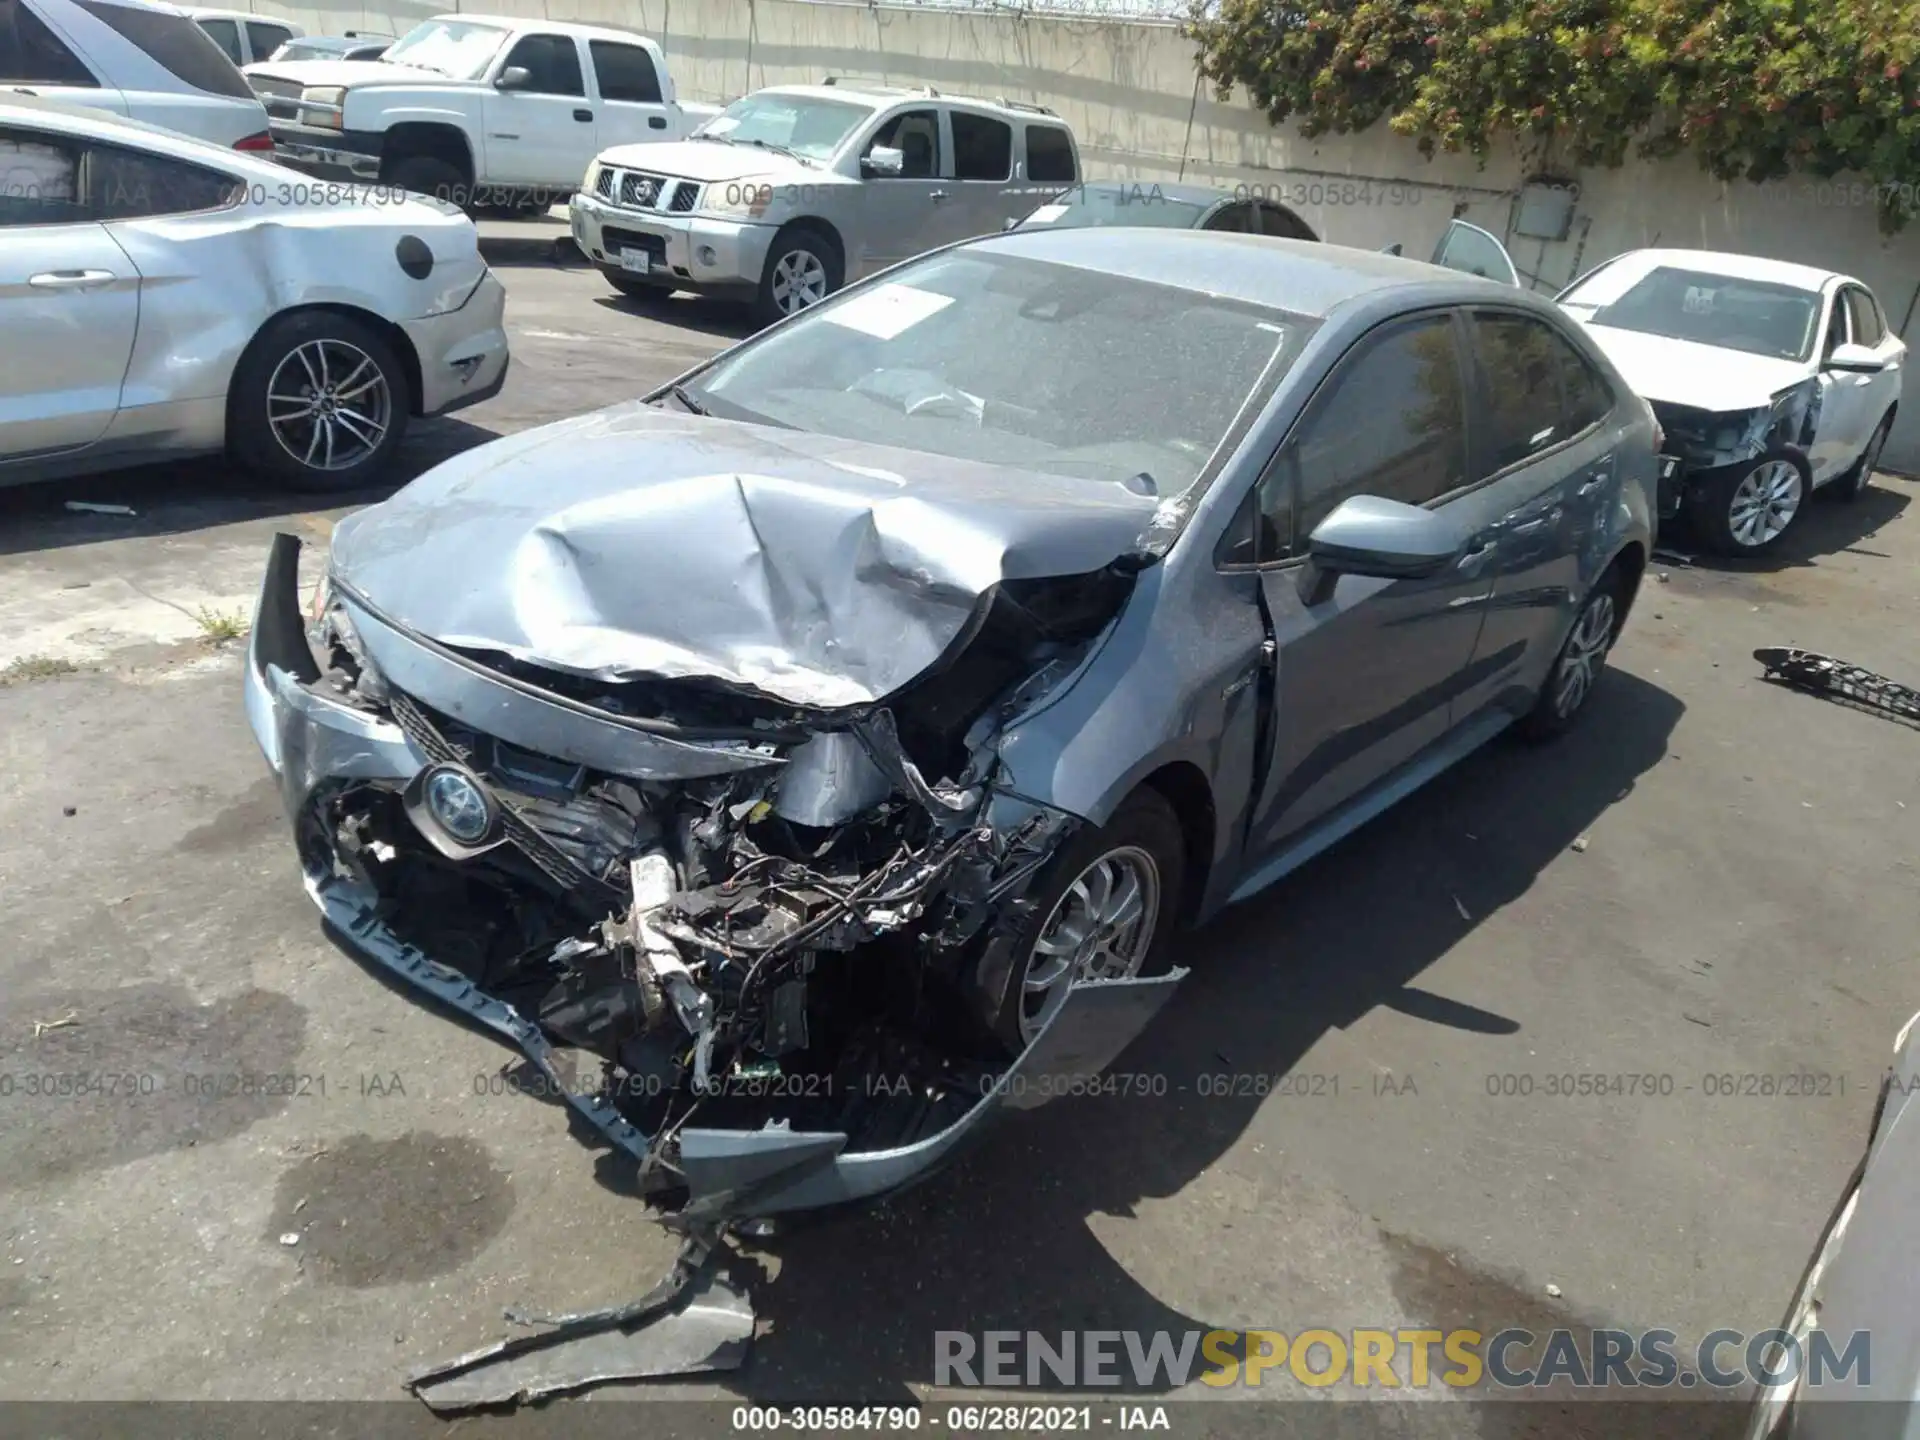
[{"x": 1711, "y": 877}]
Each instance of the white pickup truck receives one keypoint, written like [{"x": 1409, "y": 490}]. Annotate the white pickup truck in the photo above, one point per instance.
[{"x": 480, "y": 110}]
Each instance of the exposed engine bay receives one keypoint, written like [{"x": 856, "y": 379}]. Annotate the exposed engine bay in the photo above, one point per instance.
[{"x": 802, "y": 940}]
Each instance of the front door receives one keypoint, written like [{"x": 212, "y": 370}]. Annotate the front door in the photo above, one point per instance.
[
  {"x": 1470, "y": 249},
  {"x": 1851, "y": 404},
  {"x": 69, "y": 301},
  {"x": 540, "y": 131},
  {"x": 906, "y": 213},
  {"x": 1366, "y": 669}
]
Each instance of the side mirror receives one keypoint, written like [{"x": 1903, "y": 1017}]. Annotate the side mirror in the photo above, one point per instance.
[
  {"x": 1855, "y": 360},
  {"x": 884, "y": 160},
  {"x": 1367, "y": 535},
  {"x": 514, "y": 77}
]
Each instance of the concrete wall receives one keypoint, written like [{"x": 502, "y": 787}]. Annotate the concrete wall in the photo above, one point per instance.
[{"x": 1131, "y": 93}]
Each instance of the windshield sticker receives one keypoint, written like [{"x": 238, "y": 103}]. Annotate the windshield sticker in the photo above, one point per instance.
[
  {"x": 1046, "y": 214},
  {"x": 886, "y": 310},
  {"x": 1699, "y": 301}
]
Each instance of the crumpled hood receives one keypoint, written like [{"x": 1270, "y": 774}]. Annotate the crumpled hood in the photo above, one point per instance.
[
  {"x": 710, "y": 160},
  {"x": 1706, "y": 377},
  {"x": 638, "y": 542}
]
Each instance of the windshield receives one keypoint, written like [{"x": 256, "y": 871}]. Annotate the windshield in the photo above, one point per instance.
[
  {"x": 1758, "y": 317},
  {"x": 1017, "y": 362},
  {"x": 456, "y": 48},
  {"x": 800, "y": 123},
  {"x": 1118, "y": 205}
]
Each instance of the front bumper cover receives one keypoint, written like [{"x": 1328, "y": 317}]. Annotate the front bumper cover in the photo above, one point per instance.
[
  {"x": 311, "y": 741},
  {"x": 690, "y": 252}
]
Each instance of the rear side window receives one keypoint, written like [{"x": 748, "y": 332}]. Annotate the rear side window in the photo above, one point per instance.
[
  {"x": 1049, "y": 153},
  {"x": 1585, "y": 399},
  {"x": 131, "y": 184},
  {"x": 1540, "y": 391},
  {"x": 263, "y": 40},
  {"x": 225, "y": 34},
  {"x": 625, "y": 72},
  {"x": 39, "y": 180},
  {"x": 175, "y": 43},
  {"x": 30, "y": 51},
  {"x": 982, "y": 147}
]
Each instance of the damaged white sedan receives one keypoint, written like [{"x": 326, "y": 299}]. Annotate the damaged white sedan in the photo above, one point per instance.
[{"x": 829, "y": 745}]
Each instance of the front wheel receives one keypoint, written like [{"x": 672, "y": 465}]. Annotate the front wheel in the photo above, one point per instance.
[
  {"x": 803, "y": 268},
  {"x": 318, "y": 402},
  {"x": 1576, "y": 669},
  {"x": 1106, "y": 912},
  {"x": 1747, "y": 510}
]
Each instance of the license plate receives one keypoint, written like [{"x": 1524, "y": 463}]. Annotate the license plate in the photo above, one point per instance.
[{"x": 638, "y": 261}]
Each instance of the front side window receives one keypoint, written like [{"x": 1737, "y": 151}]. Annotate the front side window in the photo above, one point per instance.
[
  {"x": 982, "y": 147},
  {"x": 225, "y": 34},
  {"x": 1758, "y": 317},
  {"x": 1863, "y": 318},
  {"x": 625, "y": 72},
  {"x": 552, "y": 63},
  {"x": 1013, "y": 361},
  {"x": 39, "y": 180},
  {"x": 916, "y": 135},
  {"x": 1392, "y": 425},
  {"x": 1050, "y": 154},
  {"x": 796, "y": 124},
  {"x": 458, "y": 49},
  {"x": 29, "y": 51},
  {"x": 174, "y": 43}
]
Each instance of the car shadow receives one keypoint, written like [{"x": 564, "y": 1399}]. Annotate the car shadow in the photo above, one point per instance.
[
  {"x": 181, "y": 496},
  {"x": 701, "y": 314},
  {"x": 1830, "y": 526},
  {"x": 1001, "y": 1241}
]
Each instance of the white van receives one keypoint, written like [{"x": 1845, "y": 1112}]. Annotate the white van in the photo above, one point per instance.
[{"x": 146, "y": 61}]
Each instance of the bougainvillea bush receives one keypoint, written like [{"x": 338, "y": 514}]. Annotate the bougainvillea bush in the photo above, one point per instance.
[{"x": 1760, "y": 90}]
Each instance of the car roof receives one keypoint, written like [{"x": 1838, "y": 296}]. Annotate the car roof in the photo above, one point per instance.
[
  {"x": 878, "y": 95},
  {"x": 1307, "y": 277},
  {"x": 1730, "y": 264},
  {"x": 556, "y": 27}
]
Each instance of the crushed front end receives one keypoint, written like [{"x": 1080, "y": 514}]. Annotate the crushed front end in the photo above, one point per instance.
[{"x": 775, "y": 940}]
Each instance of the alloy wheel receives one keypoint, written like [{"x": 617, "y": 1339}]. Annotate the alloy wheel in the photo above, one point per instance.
[
  {"x": 1764, "y": 503},
  {"x": 1100, "y": 929},
  {"x": 329, "y": 404},
  {"x": 799, "y": 280},
  {"x": 1585, "y": 653}
]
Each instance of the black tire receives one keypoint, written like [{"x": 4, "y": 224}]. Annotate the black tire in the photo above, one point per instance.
[
  {"x": 279, "y": 454},
  {"x": 1563, "y": 697},
  {"x": 430, "y": 175},
  {"x": 1710, "y": 503},
  {"x": 1852, "y": 484},
  {"x": 1144, "y": 823},
  {"x": 795, "y": 253}
]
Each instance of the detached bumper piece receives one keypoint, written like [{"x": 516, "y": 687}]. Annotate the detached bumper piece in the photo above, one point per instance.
[{"x": 1837, "y": 680}]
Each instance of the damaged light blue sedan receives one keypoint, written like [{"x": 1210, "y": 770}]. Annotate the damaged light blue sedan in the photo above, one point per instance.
[{"x": 827, "y": 746}]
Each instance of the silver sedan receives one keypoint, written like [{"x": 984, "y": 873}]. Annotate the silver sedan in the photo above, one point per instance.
[{"x": 162, "y": 298}]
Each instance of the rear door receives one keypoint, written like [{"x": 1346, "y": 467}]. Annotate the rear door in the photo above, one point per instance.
[
  {"x": 1365, "y": 673},
  {"x": 169, "y": 72},
  {"x": 264, "y": 37},
  {"x": 69, "y": 303},
  {"x": 1473, "y": 250},
  {"x": 38, "y": 57},
  {"x": 985, "y": 193},
  {"x": 541, "y": 132},
  {"x": 633, "y": 104},
  {"x": 1545, "y": 435},
  {"x": 224, "y": 31}
]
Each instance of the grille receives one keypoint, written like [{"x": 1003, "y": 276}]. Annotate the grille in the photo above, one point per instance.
[
  {"x": 640, "y": 190},
  {"x": 604, "y": 185},
  {"x": 685, "y": 198}
]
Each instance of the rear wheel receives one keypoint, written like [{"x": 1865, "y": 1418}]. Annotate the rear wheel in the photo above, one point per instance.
[
  {"x": 1576, "y": 669},
  {"x": 318, "y": 402},
  {"x": 1106, "y": 912},
  {"x": 1850, "y": 485}
]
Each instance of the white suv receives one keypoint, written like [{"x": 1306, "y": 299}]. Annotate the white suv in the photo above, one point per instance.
[{"x": 145, "y": 61}]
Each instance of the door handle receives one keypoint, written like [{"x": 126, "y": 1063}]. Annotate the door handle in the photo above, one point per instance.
[
  {"x": 937, "y": 196},
  {"x": 656, "y": 122},
  {"x": 1529, "y": 527},
  {"x": 1476, "y": 554},
  {"x": 71, "y": 279},
  {"x": 583, "y": 116},
  {"x": 1594, "y": 482}
]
